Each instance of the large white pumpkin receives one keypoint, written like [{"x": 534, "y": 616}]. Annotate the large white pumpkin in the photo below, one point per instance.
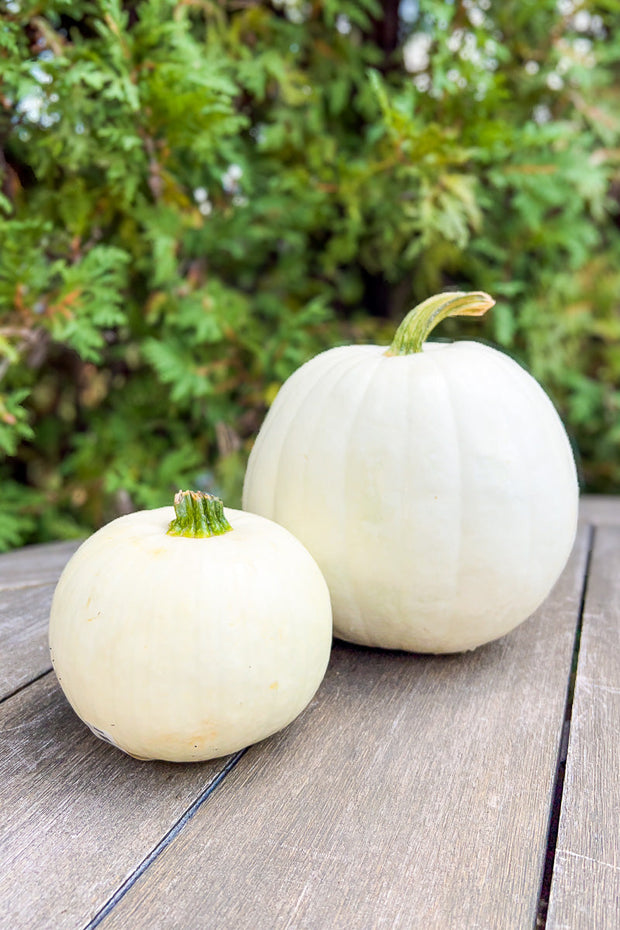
[
  {"x": 433, "y": 483},
  {"x": 186, "y": 648}
]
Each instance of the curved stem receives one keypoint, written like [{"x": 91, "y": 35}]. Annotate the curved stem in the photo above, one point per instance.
[
  {"x": 419, "y": 322},
  {"x": 198, "y": 515}
]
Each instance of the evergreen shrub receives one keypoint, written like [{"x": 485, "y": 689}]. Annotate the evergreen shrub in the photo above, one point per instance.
[{"x": 198, "y": 196}]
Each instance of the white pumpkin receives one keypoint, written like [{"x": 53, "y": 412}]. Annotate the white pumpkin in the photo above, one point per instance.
[
  {"x": 182, "y": 647},
  {"x": 433, "y": 483}
]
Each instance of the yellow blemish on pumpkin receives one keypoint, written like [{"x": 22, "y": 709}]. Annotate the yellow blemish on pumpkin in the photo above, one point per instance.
[{"x": 273, "y": 685}]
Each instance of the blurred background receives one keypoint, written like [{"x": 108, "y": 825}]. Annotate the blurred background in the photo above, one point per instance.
[{"x": 198, "y": 196}]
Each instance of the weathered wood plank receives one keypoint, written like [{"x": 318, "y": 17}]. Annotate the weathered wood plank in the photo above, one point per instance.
[
  {"x": 35, "y": 565},
  {"x": 585, "y": 891},
  {"x": 24, "y": 651},
  {"x": 27, "y": 580},
  {"x": 600, "y": 509},
  {"x": 78, "y": 816},
  {"x": 413, "y": 793}
]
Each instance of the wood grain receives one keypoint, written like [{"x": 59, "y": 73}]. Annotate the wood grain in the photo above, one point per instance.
[
  {"x": 585, "y": 892},
  {"x": 600, "y": 510},
  {"x": 27, "y": 580},
  {"x": 34, "y": 565},
  {"x": 24, "y": 651},
  {"x": 414, "y": 792},
  {"x": 78, "y": 816}
]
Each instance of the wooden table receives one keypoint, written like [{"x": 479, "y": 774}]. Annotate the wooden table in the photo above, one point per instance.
[{"x": 472, "y": 791}]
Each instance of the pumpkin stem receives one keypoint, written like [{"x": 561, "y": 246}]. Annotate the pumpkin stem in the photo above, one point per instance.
[
  {"x": 419, "y": 322},
  {"x": 198, "y": 515}
]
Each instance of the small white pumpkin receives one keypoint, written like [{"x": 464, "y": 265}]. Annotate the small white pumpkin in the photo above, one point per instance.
[
  {"x": 433, "y": 483},
  {"x": 185, "y": 639}
]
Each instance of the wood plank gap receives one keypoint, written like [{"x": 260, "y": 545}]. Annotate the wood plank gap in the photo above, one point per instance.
[
  {"x": 164, "y": 842},
  {"x": 554, "y": 817},
  {"x": 25, "y": 684}
]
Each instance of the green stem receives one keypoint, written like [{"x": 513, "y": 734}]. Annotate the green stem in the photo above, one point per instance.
[
  {"x": 198, "y": 515},
  {"x": 419, "y": 322}
]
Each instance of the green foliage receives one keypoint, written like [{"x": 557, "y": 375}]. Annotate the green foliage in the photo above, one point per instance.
[{"x": 196, "y": 197}]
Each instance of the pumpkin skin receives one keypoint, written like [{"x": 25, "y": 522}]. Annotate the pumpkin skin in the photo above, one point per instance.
[
  {"x": 185, "y": 649},
  {"x": 437, "y": 490}
]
